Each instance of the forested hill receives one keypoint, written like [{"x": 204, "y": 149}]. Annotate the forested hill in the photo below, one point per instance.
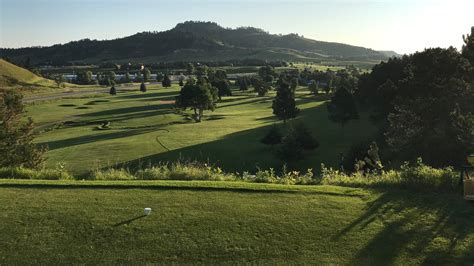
[{"x": 193, "y": 41}]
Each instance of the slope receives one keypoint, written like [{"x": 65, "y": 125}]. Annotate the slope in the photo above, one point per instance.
[{"x": 12, "y": 75}]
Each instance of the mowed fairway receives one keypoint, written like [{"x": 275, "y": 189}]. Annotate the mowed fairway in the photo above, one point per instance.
[
  {"x": 145, "y": 129},
  {"x": 219, "y": 222}
]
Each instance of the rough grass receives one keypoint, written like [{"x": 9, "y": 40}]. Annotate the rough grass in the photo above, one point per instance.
[
  {"x": 200, "y": 222},
  {"x": 419, "y": 177},
  {"x": 40, "y": 174}
]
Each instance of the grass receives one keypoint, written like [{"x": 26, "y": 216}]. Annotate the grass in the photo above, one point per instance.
[
  {"x": 91, "y": 222},
  {"x": 144, "y": 130},
  {"x": 11, "y": 75}
]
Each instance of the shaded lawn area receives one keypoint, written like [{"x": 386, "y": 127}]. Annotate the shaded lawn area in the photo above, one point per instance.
[{"x": 259, "y": 223}]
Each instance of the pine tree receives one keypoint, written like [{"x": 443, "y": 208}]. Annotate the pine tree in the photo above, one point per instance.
[
  {"x": 113, "y": 91},
  {"x": 314, "y": 87},
  {"x": 284, "y": 105},
  {"x": 146, "y": 74},
  {"x": 342, "y": 107},
  {"x": 127, "y": 78},
  {"x": 143, "y": 87},
  {"x": 166, "y": 81},
  {"x": 272, "y": 137},
  {"x": 16, "y": 134}
]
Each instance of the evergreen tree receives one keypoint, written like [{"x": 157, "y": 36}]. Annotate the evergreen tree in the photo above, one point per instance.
[
  {"x": 284, "y": 105},
  {"x": 468, "y": 47},
  {"x": 329, "y": 86},
  {"x": 190, "y": 68},
  {"x": 127, "y": 78},
  {"x": 314, "y": 87},
  {"x": 243, "y": 83},
  {"x": 303, "y": 135},
  {"x": 166, "y": 81},
  {"x": 16, "y": 135},
  {"x": 272, "y": 137},
  {"x": 342, "y": 107},
  {"x": 143, "y": 87},
  {"x": 159, "y": 77},
  {"x": 146, "y": 74},
  {"x": 113, "y": 91},
  {"x": 289, "y": 151},
  {"x": 294, "y": 84}
]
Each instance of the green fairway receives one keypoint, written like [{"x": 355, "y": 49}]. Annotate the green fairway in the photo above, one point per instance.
[
  {"x": 145, "y": 129},
  {"x": 217, "y": 222}
]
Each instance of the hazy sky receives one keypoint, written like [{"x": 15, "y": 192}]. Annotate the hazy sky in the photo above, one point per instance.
[{"x": 401, "y": 25}]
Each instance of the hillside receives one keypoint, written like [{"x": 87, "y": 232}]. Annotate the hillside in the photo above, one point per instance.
[
  {"x": 11, "y": 75},
  {"x": 193, "y": 41}
]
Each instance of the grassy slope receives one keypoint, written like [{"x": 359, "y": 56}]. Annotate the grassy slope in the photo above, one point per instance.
[
  {"x": 11, "y": 75},
  {"x": 260, "y": 223},
  {"x": 140, "y": 120}
]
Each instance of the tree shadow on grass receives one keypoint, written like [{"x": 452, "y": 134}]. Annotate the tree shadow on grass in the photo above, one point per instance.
[
  {"x": 239, "y": 151},
  {"x": 58, "y": 144},
  {"x": 128, "y": 221},
  {"x": 127, "y": 110},
  {"x": 437, "y": 227},
  {"x": 150, "y": 96},
  {"x": 240, "y": 101}
]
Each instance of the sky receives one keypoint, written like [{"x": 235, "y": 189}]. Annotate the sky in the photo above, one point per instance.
[{"x": 404, "y": 26}]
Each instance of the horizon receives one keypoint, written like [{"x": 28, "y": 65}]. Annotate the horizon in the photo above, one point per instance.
[{"x": 349, "y": 22}]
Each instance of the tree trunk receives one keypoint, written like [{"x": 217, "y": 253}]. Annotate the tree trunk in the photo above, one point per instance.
[
  {"x": 196, "y": 116},
  {"x": 201, "y": 111}
]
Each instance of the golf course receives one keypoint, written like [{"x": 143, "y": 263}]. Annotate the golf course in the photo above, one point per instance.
[{"x": 145, "y": 133}]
